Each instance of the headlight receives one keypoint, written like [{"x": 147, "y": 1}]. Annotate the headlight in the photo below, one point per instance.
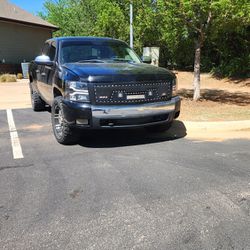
[
  {"x": 174, "y": 87},
  {"x": 77, "y": 91}
]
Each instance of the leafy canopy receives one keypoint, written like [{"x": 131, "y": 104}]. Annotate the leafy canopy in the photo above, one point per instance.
[{"x": 174, "y": 25}]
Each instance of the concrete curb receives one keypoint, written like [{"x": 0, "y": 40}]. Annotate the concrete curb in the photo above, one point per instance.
[
  {"x": 218, "y": 126},
  {"x": 215, "y": 131}
]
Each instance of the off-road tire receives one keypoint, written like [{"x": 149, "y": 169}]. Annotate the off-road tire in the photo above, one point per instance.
[
  {"x": 64, "y": 133},
  {"x": 159, "y": 128},
  {"x": 37, "y": 103}
]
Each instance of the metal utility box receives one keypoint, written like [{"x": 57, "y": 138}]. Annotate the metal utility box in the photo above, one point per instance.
[{"x": 154, "y": 53}]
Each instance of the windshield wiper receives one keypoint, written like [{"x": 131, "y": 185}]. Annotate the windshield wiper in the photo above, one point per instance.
[{"x": 91, "y": 61}]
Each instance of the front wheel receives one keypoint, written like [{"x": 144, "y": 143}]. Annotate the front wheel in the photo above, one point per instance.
[
  {"x": 64, "y": 134},
  {"x": 159, "y": 128}
]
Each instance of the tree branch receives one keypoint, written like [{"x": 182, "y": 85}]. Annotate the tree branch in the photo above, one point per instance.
[
  {"x": 187, "y": 21},
  {"x": 209, "y": 17}
]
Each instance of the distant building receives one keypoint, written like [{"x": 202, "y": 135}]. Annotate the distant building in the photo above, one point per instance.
[{"x": 22, "y": 36}]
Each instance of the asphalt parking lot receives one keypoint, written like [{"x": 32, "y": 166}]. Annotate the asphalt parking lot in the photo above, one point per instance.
[{"x": 120, "y": 189}]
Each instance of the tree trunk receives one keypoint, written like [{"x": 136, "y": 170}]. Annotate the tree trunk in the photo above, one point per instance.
[{"x": 197, "y": 66}]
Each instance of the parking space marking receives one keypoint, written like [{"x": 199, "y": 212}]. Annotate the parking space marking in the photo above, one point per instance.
[{"x": 16, "y": 146}]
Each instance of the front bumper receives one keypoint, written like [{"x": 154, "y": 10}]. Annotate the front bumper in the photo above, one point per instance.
[{"x": 120, "y": 116}]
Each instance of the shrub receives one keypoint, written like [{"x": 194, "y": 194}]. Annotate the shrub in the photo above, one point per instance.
[
  {"x": 7, "y": 78},
  {"x": 19, "y": 76}
]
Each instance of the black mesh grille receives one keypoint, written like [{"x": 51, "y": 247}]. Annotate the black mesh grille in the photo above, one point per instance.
[{"x": 131, "y": 93}]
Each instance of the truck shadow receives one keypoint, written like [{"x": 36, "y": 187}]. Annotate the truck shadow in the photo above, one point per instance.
[{"x": 130, "y": 137}]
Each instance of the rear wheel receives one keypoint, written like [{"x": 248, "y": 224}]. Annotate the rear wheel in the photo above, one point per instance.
[
  {"x": 64, "y": 134},
  {"x": 37, "y": 103},
  {"x": 159, "y": 128}
]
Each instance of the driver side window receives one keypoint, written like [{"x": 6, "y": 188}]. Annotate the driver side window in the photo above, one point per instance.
[
  {"x": 49, "y": 50},
  {"x": 52, "y": 51},
  {"x": 45, "y": 49}
]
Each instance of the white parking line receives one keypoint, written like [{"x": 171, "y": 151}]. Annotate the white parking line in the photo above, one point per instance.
[{"x": 16, "y": 146}]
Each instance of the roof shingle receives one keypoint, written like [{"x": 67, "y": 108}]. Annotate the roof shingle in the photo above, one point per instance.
[{"x": 11, "y": 12}]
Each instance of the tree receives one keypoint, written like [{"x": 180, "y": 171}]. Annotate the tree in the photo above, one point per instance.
[
  {"x": 228, "y": 41},
  {"x": 199, "y": 19},
  {"x": 193, "y": 18},
  {"x": 86, "y": 18},
  {"x": 75, "y": 18}
]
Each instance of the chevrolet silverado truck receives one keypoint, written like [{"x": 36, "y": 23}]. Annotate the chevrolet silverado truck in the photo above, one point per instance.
[{"x": 100, "y": 83}]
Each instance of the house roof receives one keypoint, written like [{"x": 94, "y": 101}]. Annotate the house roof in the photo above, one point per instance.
[{"x": 12, "y": 13}]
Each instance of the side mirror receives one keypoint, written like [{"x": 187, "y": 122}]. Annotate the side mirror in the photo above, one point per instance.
[
  {"x": 43, "y": 60},
  {"x": 147, "y": 59}
]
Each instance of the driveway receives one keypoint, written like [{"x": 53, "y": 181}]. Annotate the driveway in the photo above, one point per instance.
[
  {"x": 120, "y": 189},
  {"x": 15, "y": 95}
]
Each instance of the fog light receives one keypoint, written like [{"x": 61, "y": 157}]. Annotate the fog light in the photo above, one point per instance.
[
  {"x": 82, "y": 121},
  {"x": 150, "y": 93},
  {"x": 120, "y": 95}
]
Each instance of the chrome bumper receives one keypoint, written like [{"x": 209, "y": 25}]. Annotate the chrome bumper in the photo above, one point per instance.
[
  {"x": 110, "y": 116},
  {"x": 135, "y": 111}
]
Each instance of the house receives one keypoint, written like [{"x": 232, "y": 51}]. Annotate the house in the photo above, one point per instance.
[{"x": 22, "y": 36}]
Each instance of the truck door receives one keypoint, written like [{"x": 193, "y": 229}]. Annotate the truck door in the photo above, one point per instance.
[
  {"x": 40, "y": 73},
  {"x": 49, "y": 74}
]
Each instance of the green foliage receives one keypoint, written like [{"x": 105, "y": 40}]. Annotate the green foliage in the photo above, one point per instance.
[
  {"x": 222, "y": 26},
  {"x": 70, "y": 16},
  {"x": 86, "y": 18}
]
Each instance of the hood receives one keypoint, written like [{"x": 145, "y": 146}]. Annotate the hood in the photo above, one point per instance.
[{"x": 118, "y": 72}]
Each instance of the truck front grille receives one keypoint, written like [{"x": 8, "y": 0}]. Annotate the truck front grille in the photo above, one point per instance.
[{"x": 132, "y": 93}]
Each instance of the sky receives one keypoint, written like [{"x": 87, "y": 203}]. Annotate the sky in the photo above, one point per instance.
[{"x": 32, "y": 6}]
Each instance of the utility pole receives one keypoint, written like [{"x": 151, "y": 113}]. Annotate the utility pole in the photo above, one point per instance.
[{"x": 131, "y": 25}]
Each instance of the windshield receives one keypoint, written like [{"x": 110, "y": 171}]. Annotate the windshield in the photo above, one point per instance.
[{"x": 85, "y": 52}]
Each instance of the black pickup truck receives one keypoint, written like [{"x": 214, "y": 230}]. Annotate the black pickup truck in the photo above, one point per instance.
[{"x": 97, "y": 83}]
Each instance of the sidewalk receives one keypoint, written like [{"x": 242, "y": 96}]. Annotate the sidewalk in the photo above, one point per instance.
[
  {"x": 218, "y": 131},
  {"x": 15, "y": 95}
]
